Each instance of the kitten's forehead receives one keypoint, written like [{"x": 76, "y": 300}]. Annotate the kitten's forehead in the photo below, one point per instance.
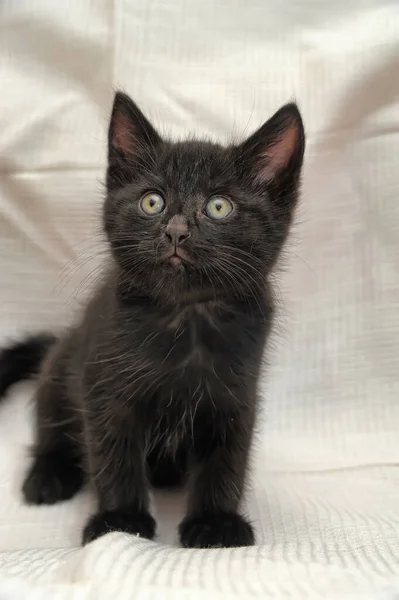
[{"x": 192, "y": 167}]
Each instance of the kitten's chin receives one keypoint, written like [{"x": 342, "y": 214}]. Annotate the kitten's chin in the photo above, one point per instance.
[
  {"x": 176, "y": 261},
  {"x": 173, "y": 271}
]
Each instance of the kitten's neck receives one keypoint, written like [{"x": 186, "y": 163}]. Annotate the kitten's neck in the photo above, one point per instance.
[{"x": 129, "y": 292}]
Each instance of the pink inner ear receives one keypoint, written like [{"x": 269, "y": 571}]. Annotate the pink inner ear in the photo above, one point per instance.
[
  {"x": 123, "y": 135},
  {"x": 276, "y": 157}
]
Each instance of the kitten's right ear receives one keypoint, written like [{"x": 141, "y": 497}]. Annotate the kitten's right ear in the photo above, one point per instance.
[{"x": 131, "y": 137}]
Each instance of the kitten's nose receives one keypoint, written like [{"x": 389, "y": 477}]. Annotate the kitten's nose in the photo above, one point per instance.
[{"x": 177, "y": 233}]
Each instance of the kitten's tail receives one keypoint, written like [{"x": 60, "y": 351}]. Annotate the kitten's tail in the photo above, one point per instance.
[{"x": 22, "y": 360}]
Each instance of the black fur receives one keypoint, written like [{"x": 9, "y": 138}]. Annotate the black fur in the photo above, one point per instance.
[
  {"x": 215, "y": 530},
  {"x": 157, "y": 383},
  {"x": 53, "y": 477},
  {"x": 23, "y": 359}
]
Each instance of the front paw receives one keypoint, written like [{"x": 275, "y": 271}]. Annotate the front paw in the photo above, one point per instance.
[
  {"x": 219, "y": 530},
  {"x": 137, "y": 523}
]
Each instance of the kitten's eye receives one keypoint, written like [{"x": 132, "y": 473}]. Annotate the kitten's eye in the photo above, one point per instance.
[
  {"x": 152, "y": 204},
  {"x": 218, "y": 208}
]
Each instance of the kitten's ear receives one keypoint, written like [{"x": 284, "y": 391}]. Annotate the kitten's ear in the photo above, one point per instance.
[
  {"x": 275, "y": 151},
  {"x": 129, "y": 129},
  {"x": 131, "y": 137}
]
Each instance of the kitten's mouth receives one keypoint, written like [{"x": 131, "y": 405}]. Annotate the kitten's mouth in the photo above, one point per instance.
[{"x": 177, "y": 257}]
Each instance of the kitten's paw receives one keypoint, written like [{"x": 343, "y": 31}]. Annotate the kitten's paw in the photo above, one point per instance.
[
  {"x": 220, "y": 530},
  {"x": 137, "y": 523},
  {"x": 52, "y": 478}
]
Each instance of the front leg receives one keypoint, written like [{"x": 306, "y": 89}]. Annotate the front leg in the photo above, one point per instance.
[
  {"x": 117, "y": 468},
  {"x": 217, "y": 485}
]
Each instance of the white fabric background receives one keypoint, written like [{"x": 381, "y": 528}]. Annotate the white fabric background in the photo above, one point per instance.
[{"x": 325, "y": 489}]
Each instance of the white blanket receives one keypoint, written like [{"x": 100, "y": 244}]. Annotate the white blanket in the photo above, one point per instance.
[{"x": 325, "y": 486}]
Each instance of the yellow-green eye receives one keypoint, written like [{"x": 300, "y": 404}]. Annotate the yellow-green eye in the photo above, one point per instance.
[
  {"x": 152, "y": 204},
  {"x": 218, "y": 207}
]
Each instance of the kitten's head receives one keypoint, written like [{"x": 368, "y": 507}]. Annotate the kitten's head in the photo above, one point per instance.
[{"x": 195, "y": 218}]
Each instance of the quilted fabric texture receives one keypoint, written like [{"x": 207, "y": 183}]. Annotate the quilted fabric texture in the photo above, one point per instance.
[{"x": 325, "y": 480}]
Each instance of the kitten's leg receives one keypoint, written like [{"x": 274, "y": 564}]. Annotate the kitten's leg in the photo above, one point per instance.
[
  {"x": 212, "y": 519},
  {"x": 56, "y": 473},
  {"x": 117, "y": 467}
]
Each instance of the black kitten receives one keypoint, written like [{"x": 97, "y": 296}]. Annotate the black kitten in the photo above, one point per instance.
[{"x": 158, "y": 382}]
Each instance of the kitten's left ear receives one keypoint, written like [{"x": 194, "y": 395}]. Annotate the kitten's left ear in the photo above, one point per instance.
[{"x": 275, "y": 151}]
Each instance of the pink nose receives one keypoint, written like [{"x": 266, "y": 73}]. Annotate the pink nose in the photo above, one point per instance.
[{"x": 177, "y": 234}]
